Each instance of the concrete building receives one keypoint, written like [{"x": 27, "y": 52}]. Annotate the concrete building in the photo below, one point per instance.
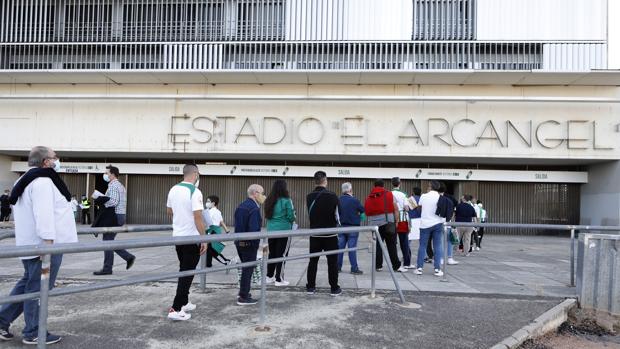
[{"x": 513, "y": 101}]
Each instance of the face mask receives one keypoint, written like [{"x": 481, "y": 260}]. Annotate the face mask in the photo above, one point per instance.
[
  {"x": 197, "y": 183},
  {"x": 209, "y": 204},
  {"x": 106, "y": 177},
  {"x": 261, "y": 199},
  {"x": 56, "y": 165}
]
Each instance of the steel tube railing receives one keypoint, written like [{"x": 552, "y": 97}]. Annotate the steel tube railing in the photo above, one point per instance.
[{"x": 10, "y": 233}]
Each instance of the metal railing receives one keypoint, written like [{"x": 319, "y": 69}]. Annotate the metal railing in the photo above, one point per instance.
[
  {"x": 47, "y": 250},
  {"x": 571, "y": 228}
]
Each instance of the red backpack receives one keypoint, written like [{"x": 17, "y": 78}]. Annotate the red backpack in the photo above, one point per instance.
[{"x": 380, "y": 201}]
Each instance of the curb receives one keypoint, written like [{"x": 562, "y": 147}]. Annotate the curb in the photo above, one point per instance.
[{"x": 547, "y": 322}]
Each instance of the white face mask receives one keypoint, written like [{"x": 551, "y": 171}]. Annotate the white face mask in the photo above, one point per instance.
[
  {"x": 197, "y": 183},
  {"x": 209, "y": 204},
  {"x": 56, "y": 165},
  {"x": 106, "y": 177}
]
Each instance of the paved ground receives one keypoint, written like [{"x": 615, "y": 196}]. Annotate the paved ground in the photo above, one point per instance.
[
  {"x": 514, "y": 265},
  {"x": 134, "y": 317}
]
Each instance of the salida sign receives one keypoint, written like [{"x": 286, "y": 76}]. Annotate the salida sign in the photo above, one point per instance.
[{"x": 360, "y": 131}]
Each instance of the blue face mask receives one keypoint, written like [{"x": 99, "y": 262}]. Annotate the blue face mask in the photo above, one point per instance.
[{"x": 106, "y": 177}]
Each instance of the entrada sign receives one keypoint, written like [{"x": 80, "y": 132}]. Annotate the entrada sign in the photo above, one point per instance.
[{"x": 359, "y": 131}]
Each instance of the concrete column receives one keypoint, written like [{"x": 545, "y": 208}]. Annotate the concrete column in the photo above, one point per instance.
[
  {"x": 600, "y": 198},
  {"x": 7, "y": 178}
]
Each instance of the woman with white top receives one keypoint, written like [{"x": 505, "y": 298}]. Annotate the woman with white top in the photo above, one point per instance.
[{"x": 217, "y": 223}]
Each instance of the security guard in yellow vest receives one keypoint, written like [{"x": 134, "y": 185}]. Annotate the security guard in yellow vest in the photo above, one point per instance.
[{"x": 85, "y": 205}]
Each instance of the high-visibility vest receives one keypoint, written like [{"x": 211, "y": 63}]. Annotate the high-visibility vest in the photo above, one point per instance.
[{"x": 85, "y": 204}]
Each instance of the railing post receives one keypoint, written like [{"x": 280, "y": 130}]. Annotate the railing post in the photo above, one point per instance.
[
  {"x": 444, "y": 263},
  {"x": 43, "y": 300},
  {"x": 263, "y": 288},
  {"x": 572, "y": 257},
  {"x": 203, "y": 276},
  {"x": 386, "y": 258},
  {"x": 373, "y": 262}
]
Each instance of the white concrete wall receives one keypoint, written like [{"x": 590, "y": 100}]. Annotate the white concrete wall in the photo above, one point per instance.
[
  {"x": 614, "y": 34},
  {"x": 349, "y": 20},
  {"x": 600, "y": 198},
  {"x": 541, "y": 19}
]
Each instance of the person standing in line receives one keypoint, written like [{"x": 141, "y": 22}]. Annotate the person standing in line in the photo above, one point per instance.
[
  {"x": 431, "y": 225},
  {"x": 42, "y": 212},
  {"x": 483, "y": 219},
  {"x": 351, "y": 214},
  {"x": 184, "y": 206},
  {"x": 75, "y": 205},
  {"x": 414, "y": 217},
  {"x": 323, "y": 213},
  {"x": 280, "y": 215},
  {"x": 85, "y": 208},
  {"x": 248, "y": 220},
  {"x": 445, "y": 209},
  {"x": 402, "y": 229},
  {"x": 382, "y": 211},
  {"x": 465, "y": 213},
  {"x": 215, "y": 223},
  {"x": 5, "y": 206},
  {"x": 115, "y": 197}
]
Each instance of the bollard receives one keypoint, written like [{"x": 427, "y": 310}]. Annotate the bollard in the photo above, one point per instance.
[
  {"x": 43, "y": 299},
  {"x": 444, "y": 262},
  {"x": 572, "y": 258},
  {"x": 263, "y": 288},
  {"x": 203, "y": 276},
  {"x": 373, "y": 262}
]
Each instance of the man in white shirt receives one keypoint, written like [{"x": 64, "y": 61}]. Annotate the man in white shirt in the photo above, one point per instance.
[
  {"x": 43, "y": 215},
  {"x": 185, "y": 207},
  {"x": 431, "y": 226},
  {"x": 402, "y": 229}
]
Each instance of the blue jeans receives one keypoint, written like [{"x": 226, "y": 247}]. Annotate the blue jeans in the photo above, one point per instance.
[
  {"x": 403, "y": 240},
  {"x": 246, "y": 254},
  {"x": 425, "y": 233},
  {"x": 350, "y": 240},
  {"x": 449, "y": 243},
  {"x": 29, "y": 283},
  {"x": 108, "y": 256}
]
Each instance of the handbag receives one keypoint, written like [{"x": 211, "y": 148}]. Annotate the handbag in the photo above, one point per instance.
[
  {"x": 403, "y": 226},
  {"x": 453, "y": 238}
]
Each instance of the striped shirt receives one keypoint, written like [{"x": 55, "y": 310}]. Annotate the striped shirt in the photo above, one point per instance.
[{"x": 118, "y": 197}]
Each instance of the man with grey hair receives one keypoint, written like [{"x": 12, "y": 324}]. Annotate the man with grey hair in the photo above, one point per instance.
[
  {"x": 43, "y": 215},
  {"x": 351, "y": 212},
  {"x": 247, "y": 220},
  {"x": 185, "y": 205}
]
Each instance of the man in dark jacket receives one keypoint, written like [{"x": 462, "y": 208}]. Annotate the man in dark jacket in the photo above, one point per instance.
[
  {"x": 248, "y": 220},
  {"x": 351, "y": 214},
  {"x": 323, "y": 213},
  {"x": 5, "y": 207}
]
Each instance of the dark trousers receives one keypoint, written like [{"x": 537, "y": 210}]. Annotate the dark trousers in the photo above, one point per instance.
[
  {"x": 188, "y": 255},
  {"x": 277, "y": 249},
  {"x": 247, "y": 253},
  {"x": 5, "y": 213},
  {"x": 478, "y": 236},
  {"x": 86, "y": 216},
  {"x": 108, "y": 256},
  {"x": 211, "y": 254},
  {"x": 403, "y": 240},
  {"x": 387, "y": 233},
  {"x": 320, "y": 244}
]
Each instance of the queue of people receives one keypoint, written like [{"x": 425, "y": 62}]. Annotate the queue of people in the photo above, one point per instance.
[{"x": 45, "y": 212}]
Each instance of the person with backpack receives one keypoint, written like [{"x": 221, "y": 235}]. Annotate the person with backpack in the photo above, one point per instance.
[
  {"x": 382, "y": 211},
  {"x": 323, "y": 213},
  {"x": 184, "y": 206},
  {"x": 402, "y": 228},
  {"x": 280, "y": 215},
  {"x": 431, "y": 226}
]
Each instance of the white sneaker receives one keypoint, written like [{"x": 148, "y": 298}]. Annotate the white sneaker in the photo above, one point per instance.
[
  {"x": 418, "y": 271},
  {"x": 188, "y": 307},
  {"x": 403, "y": 270},
  {"x": 282, "y": 283},
  {"x": 178, "y": 316},
  {"x": 477, "y": 248},
  {"x": 411, "y": 266},
  {"x": 438, "y": 272},
  {"x": 451, "y": 261},
  {"x": 271, "y": 280}
]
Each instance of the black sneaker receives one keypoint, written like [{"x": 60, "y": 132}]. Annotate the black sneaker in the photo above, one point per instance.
[
  {"x": 130, "y": 263},
  {"x": 337, "y": 292},
  {"x": 246, "y": 301},
  {"x": 379, "y": 269},
  {"x": 5, "y": 335},
  {"x": 310, "y": 290},
  {"x": 102, "y": 272},
  {"x": 357, "y": 272},
  {"x": 51, "y": 339}
]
